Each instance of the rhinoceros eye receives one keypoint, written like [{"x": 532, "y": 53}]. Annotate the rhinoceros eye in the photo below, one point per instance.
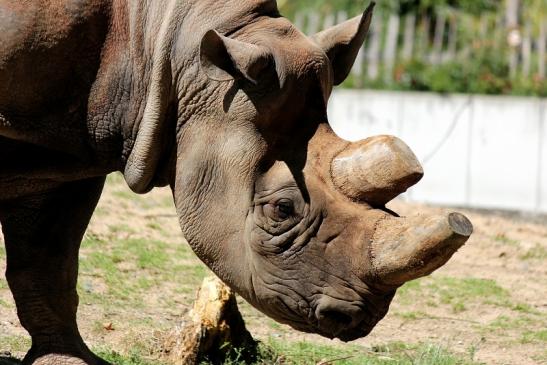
[
  {"x": 284, "y": 209},
  {"x": 280, "y": 210}
]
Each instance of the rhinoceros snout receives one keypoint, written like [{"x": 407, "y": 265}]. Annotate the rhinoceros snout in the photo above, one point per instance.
[
  {"x": 340, "y": 319},
  {"x": 348, "y": 320},
  {"x": 402, "y": 249}
]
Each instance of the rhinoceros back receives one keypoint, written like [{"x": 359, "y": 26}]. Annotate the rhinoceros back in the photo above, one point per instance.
[{"x": 49, "y": 55}]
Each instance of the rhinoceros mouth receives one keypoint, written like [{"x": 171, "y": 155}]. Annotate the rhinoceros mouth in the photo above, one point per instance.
[
  {"x": 345, "y": 328},
  {"x": 340, "y": 326},
  {"x": 349, "y": 320}
]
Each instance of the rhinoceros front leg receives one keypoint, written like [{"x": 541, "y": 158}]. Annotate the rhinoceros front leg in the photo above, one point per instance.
[{"x": 42, "y": 235}]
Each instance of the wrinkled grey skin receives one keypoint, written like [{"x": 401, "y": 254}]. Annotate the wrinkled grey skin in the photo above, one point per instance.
[{"x": 225, "y": 101}]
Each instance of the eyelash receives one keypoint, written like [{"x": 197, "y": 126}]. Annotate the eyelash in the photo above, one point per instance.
[
  {"x": 284, "y": 209},
  {"x": 280, "y": 210}
]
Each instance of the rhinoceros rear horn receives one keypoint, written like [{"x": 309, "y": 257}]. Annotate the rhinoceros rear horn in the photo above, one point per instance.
[
  {"x": 375, "y": 170},
  {"x": 342, "y": 42},
  {"x": 225, "y": 59}
]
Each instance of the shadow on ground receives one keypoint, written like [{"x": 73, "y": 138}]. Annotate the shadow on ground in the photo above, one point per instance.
[{"x": 9, "y": 361}]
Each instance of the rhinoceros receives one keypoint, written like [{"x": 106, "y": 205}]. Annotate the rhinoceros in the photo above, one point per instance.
[{"x": 225, "y": 102}]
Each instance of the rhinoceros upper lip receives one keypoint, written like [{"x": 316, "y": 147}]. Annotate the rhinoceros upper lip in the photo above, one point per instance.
[
  {"x": 351, "y": 319},
  {"x": 351, "y": 331}
]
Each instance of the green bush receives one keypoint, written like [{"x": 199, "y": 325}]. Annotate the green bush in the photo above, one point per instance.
[
  {"x": 484, "y": 72},
  {"x": 484, "y": 69}
]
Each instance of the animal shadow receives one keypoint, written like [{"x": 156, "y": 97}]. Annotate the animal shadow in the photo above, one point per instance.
[{"x": 7, "y": 360}]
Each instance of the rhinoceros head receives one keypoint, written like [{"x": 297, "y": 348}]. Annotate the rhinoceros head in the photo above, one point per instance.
[{"x": 280, "y": 208}]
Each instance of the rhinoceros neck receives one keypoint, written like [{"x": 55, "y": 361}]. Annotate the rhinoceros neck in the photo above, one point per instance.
[
  {"x": 122, "y": 88},
  {"x": 175, "y": 88}
]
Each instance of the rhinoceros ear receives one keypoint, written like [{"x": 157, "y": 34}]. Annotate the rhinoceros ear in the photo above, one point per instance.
[
  {"x": 343, "y": 41},
  {"x": 225, "y": 59}
]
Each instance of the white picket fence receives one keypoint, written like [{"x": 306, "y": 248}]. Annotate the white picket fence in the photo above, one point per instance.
[
  {"x": 477, "y": 151},
  {"x": 444, "y": 36}
]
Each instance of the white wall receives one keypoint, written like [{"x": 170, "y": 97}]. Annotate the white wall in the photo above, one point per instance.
[{"x": 477, "y": 151}]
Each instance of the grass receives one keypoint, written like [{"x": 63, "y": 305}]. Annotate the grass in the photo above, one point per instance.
[
  {"x": 517, "y": 320},
  {"x": 534, "y": 336},
  {"x": 155, "y": 226},
  {"x": 275, "y": 352},
  {"x": 125, "y": 196},
  {"x": 408, "y": 291},
  {"x": 120, "y": 228},
  {"x": 115, "y": 179},
  {"x": 128, "y": 268},
  {"x": 456, "y": 292},
  {"x": 524, "y": 308},
  {"x": 503, "y": 239},
  {"x": 133, "y": 358},
  {"x": 304, "y": 353},
  {"x": 537, "y": 252},
  {"x": 15, "y": 343},
  {"x": 506, "y": 323},
  {"x": 412, "y": 315}
]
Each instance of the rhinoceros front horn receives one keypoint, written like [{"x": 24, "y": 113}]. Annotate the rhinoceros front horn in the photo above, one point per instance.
[
  {"x": 376, "y": 170},
  {"x": 404, "y": 249}
]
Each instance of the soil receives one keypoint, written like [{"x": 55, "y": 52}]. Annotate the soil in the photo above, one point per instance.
[{"x": 505, "y": 326}]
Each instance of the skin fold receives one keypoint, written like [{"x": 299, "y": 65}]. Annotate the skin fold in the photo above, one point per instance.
[{"x": 229, "y": 111}]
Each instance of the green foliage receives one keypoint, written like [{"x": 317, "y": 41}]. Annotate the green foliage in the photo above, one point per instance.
[
  {"x": 485, "y": 74},
  {"x": 288, "y": 7},
  {"x": 128, "y": 268},
  {"x": 15, "y": 343},
  {"x": 531, "y": 336},
  {"x": 306, "y": 353},
  {"x": 537, "y": 252},
  {"x": 455, "y": 292},
  {"x": 507, "y": 323},
  {"x": 503, "y": 239},
  {"x": 396, "y": 353},
  {"x": 481, "y": 68},
  {"x": 469, "y": 6},
  {"x": 133, "y": 358}
]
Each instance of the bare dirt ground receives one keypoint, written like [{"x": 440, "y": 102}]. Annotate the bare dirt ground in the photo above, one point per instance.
[{"x": 137, "y": 277}]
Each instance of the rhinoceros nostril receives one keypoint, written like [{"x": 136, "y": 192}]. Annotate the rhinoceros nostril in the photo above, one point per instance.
[{"x": 336, "y": 317}]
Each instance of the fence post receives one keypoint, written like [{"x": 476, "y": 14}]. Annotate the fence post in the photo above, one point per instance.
[
  {"x": 423, "y": 38},
  {"x": 541, "y": 44},
  {"x": 299, "y": 21},
  {"x": 408, "y": 40},
  {"x": 452, "y": 39},
  {"x": 483, "y": 26},
  {"x": 526, "y": 51},
  {"x": 390, "y": 49},
  {"x": 341, "y": 16},
  {"x": 511, "y": 23},
  {"x": 373, "y": 54},
  {"x": 435, "y": 57},
  {"x": 313, "y": 23},
  {"x": 329, "y": 21}
]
